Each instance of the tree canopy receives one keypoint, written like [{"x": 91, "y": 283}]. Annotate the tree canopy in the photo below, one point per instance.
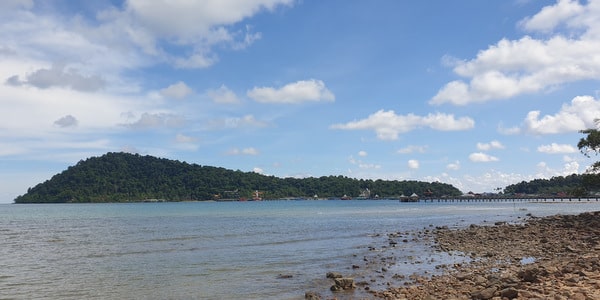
[
  {"x": 122, "y": 177},
  {"x": 589, "y": 145}
]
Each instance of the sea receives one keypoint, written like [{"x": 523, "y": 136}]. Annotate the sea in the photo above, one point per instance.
[{"x": 233, "y": 250}]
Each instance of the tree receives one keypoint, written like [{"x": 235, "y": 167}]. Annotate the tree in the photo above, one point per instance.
[{"x": 591, "y": 144}]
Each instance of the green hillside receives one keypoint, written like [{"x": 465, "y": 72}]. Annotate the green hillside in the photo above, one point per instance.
[{"x": 123, "y": 177}]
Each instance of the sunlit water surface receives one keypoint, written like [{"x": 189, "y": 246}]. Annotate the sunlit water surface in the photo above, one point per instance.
[{"x": 220, "y": 250}]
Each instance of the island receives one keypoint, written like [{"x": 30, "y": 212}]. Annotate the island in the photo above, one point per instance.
[{"x": 126, "y": 177}]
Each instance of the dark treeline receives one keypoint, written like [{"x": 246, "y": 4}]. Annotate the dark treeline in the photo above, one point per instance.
[
  {"x": 573, "y": 185},
  {"x": 122, "y": 177}
]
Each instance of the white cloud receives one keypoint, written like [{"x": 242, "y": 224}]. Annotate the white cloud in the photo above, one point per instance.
[
  {"x": 222, "y": 95},
  {"x": 136, "y": 33},
  {"x": 59, "y": 76},
  {"x": 568, "y": 168},
  {"x": 182, "y": 138},
  {"x": 579, "y": 115},
  {"x": 362, "y": 153},
  {"x": 453, "y": 166},
  {"x": 156, "y": 120},
  {"x": 301, "y": 91},
  {"x": 482, "y": 157},
  {"x": 245, "y": 151},
  {"x": 412, "y": 148},
  {"x": 413, "y": 164},
  {"x": 527, "y": 65},
  {"x": 551, "y": 16},
  {"x": 387, "y": 125},
  {"x": 361, "y": 164},
  {"x": 66, "y": 121},
  {"x": 509, "y": 131},
  {"x": 177, "y": 90},
  {"x": 258, "y": 170},
  {"x": 488, "y": 146},
  {"x": 247, "y": 121},
  {"x": 555, "y": 148},
  {"x": 369, "y": 166},
  {"x": 197, "y": 25}
]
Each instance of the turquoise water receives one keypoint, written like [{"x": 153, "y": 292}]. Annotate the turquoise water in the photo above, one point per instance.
[{"x": 222, "y": 250}]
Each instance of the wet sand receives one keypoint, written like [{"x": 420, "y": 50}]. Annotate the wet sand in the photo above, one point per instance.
[{"x": 555, "y": 257}]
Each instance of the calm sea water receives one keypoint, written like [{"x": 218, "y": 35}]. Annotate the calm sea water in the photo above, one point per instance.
[{"x": 221, "y": 250}]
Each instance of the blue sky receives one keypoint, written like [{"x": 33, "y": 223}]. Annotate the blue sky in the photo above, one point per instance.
[{"x": 478, "y": 94}]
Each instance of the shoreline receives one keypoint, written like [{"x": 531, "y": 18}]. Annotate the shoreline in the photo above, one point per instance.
[{"x": 555, "y": 257}]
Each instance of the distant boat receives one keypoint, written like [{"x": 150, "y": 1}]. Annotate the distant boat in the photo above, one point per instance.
[{"x": 346, "y": 197}]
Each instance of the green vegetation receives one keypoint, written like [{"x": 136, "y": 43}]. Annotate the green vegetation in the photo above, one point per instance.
[
  {"x": 122, "y": 177},
  {"x": 571, "y": 185},
  {"x": 587, "y": 145}
]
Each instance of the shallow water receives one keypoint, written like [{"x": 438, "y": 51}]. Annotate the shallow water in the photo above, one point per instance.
[{"x": 223, "y": 250}]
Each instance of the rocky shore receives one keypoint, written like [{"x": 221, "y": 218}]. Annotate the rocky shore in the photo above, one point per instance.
[{"x": 555, "y": 257}]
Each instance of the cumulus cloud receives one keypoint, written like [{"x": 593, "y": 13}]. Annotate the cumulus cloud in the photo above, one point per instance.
[
  {"x": 66, "y": 121},
  {"x": 223, "y": 95},
  {"x": 579, "y": 115},
  {"x": 545, "y": 171},
  {"x": 387, "y": 125},
  {"x": 156, "y": 120},
  {"x": 551, "y": 16},
  {"x": 488, "y": 146},
  {"x": 258, "y": 170},
  {"x": 177, "y": 90},
  {"x": 137, "y": 32},
  {"x": 197, "y": 25},
  {"x": 59, "y": 76},
  {"x": 362, "y": 153},
  {"x": 453, "y": 166},
  {"x": 301, "y": 91},
  {"x": 513, "y": 67},
  {"x": 482, "y": 157},
  {"x": 555, "y": 148},
  {"x": 413, "y": 164}
]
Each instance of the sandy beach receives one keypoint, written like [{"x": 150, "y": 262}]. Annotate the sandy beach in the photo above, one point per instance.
[{"x": 555, "y": 257}]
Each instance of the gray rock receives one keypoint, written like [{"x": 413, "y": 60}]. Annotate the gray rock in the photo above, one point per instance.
[
  {"x": 312, "y": 296},
  {"x": 484, "y": 294},
  {"x": 343, "y": 284},
  {"x": 510, "y": 293}
]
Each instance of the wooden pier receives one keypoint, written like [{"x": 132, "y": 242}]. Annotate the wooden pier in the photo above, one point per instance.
[{"x": 511, "y": 199}]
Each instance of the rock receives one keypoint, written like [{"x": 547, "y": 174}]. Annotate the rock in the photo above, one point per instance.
[
  {"x": 529, "y": 274},
  {"x": 343, "y": 284},
  {"x": 334, "y": 275},
  {"x": 479, "y": 280},
  {"x": 509, "y": 293},
  {"x": 312, "y": 296},
  {"x": 462, "y": 276},
  {"x": 484, "y": 294}
]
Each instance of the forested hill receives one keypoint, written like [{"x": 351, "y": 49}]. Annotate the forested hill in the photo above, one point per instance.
[
  {"x": 575, "y": 185},
  {"x": 122, "y": 177}
]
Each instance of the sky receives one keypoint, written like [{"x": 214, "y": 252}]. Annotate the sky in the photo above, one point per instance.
[{"x": 477, "y": 94}]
